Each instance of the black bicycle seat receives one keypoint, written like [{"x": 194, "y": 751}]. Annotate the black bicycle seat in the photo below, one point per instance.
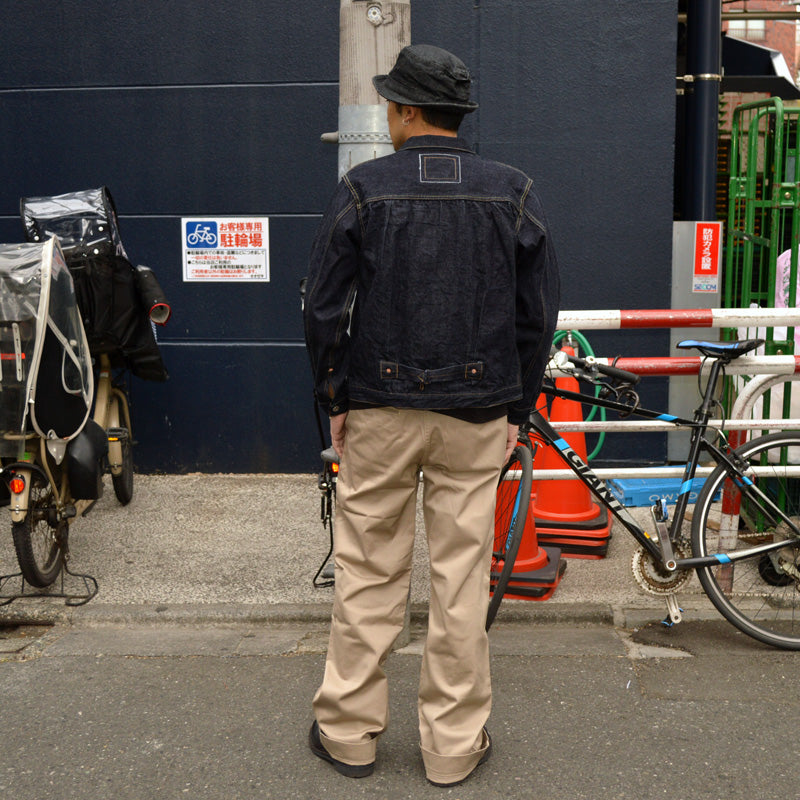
[{"x": 726, "y": 350}]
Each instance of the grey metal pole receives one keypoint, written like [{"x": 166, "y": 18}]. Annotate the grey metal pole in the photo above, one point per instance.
[{"x": 372, "y": 33}]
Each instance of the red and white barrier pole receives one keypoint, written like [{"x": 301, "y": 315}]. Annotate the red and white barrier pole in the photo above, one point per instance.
[
  {"x": 691, "y": 365},
  {"x": 615, "y": 319}
]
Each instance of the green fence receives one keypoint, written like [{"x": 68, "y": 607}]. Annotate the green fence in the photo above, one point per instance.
[
  {"x": 763, "y": 211},
  {"x": 763, "y": 229}
]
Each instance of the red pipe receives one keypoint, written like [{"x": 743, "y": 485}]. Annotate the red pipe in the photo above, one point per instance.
[
  {"x": 666, "y": 318},
  {"x": 679, "y": 365}
]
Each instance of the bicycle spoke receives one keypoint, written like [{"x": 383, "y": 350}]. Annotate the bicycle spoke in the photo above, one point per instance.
[{"x": 759, "y": 593}]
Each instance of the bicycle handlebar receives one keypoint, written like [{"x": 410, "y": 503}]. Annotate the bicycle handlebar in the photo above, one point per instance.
[{"x": 589, "y": 367}]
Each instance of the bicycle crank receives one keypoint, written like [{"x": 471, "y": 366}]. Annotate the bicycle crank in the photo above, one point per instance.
[{"x": 657, "y": 580}]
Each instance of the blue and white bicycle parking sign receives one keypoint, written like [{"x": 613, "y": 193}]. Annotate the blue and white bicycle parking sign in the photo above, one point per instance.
[
  {"x": 225, "y": 249},
  {"x": 201, "y": 233}
]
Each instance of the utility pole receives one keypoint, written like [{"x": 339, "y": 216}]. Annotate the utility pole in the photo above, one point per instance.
[{"x": 371, "y": 34}]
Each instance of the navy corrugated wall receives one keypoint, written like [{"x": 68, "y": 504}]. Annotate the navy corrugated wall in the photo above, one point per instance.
[{"x": 214, "y": 109}]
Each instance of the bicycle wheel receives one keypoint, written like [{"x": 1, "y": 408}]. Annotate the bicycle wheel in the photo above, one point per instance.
[
  {"x": 511, "y": 511},
  {"x": 760, "y": 595},
  {"x": 38, "y": 548},
  {"x": 123, "y": 483}
]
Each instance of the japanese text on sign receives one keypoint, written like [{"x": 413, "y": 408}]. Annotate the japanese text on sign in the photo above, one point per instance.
[
  {"x": 708, "y": 238},
  {"x": 225, "y": 248}
]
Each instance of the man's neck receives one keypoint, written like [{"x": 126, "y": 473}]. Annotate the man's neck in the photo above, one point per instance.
[{"x": 419, "y": 127}]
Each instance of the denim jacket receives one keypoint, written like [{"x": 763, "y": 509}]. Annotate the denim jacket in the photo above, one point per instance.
[{"x": 432, "y": 284}]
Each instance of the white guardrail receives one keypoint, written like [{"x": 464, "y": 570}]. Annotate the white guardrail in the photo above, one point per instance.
[{"x": 769, "y": 371}]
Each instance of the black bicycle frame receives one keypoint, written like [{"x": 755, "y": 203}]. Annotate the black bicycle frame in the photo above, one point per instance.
[{"x": 698, "y": 444}]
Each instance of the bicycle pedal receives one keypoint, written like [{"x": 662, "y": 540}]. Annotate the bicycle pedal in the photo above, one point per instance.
[{"x": 117, "y": 434}]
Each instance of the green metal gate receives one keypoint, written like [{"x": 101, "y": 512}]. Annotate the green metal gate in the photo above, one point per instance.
[
  {"x": 763, "y": 209},
  {"x": 763, "y": 229}
]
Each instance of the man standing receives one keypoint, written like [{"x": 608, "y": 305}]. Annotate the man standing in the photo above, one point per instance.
[{"x": 430, "y": 306}]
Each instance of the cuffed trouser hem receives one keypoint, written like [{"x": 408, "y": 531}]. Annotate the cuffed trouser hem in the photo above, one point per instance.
[
  {"x": 349, "y": 753},
  {"x": 452, "y": 769}
]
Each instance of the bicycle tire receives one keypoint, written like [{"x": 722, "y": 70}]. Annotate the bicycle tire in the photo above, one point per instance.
[
  {"x": 511, "y": 511},
  {"x": 38, "y": 549},
  {"x": 757, "y": 595},
  {"x": 123, "y": 483}
]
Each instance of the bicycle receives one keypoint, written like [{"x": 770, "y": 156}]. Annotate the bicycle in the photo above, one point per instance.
[
  {"x": 54, "y": 454},
  {"x": 745, "y": 529},
  {"x": 70, "y": 302}
]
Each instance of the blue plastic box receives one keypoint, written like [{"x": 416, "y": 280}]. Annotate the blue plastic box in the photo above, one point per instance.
[{"x": 645, "y": 491}]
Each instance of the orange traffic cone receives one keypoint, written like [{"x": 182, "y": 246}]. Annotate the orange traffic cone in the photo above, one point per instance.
[
  {"x": 537, "y": 570},
  {"x": 530, "y": 556},
  {"x": 564, "y": 511}
]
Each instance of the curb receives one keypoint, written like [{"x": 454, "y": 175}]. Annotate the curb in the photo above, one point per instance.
[{"x": 43, "y": 613}]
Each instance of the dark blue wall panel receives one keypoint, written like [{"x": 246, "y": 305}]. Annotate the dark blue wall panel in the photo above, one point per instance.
[
  {"x": 584, "y": 103},
  {"x": 211, "y": 150},
  {"x": 227, "y": 311},
  {"x": 210, "y": 109},
  {"x": 227, "y": 408},
  {"x": 70, "y": 43}
]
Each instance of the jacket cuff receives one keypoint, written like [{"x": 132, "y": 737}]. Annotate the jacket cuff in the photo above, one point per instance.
[
  {"x": 335, "y": 407},
  {"x": 516, "y": 417}
]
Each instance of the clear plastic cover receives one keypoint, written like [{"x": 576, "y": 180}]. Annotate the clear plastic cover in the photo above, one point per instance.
[
  {"x": 65, "y": 321},
  {"x": 84, "y": 222},
  {"x": 44, "y": 356},
  {"x": 20, "y": 290}
]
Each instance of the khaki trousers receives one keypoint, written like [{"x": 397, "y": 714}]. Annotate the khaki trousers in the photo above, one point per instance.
[{"x": 384, "y": 450}]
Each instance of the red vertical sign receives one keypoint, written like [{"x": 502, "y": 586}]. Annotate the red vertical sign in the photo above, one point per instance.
[{"x": 707, "y": 245}]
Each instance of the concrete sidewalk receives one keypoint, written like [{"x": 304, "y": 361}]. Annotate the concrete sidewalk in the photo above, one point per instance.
[{"x": 246, "y": 547}]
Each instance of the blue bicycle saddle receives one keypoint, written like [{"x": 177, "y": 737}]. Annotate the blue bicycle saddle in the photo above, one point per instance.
[{"x": 727, "y": 350}]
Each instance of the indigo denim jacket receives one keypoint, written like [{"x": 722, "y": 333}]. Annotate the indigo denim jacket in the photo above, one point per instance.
[{"x": 433, "y": 284}]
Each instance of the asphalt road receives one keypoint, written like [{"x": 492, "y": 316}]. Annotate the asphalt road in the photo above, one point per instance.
[
  {"x": 191, "y": 672},
  {"x": 590, "y": 711}
]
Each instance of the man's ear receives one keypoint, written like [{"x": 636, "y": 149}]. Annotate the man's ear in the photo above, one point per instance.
[{"x": 410, "y": 113}]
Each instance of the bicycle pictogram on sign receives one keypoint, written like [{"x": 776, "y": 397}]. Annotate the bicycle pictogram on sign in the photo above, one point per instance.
[{"x": 201, "y": 234}]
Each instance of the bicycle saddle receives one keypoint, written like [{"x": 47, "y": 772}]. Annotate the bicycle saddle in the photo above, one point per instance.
[
  {"x": 725, "y": 350},
  {"x": 330, "y": 456}
]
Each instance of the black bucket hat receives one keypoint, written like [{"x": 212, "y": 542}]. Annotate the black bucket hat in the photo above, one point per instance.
[{"x": 428, "y": 77}]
